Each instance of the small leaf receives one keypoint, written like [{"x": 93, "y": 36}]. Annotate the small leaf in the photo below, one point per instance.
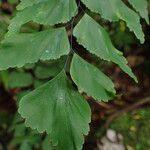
[
  {"x": 26, "y": 48},
  {"x": 49, "y": 69},
  {"x": 47, "y": 12},
  {"x": 141, "y": 7},
  {"x": 19, "y": 79},
  {"x": 114, "y": 10},
  {"x": 58, "y": 109},
  {"x": 96, "y": 40},
  {"x": 91, "y": 80}
]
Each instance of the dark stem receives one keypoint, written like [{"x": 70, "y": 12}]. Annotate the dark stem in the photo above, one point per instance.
[
  {"x": 69, "y": 29},
  {"x": 126, "y": 109}
]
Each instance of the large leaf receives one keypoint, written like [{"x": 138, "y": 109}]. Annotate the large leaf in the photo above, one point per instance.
[
  {"x": 96, "y": 40},
  {"x": 58, "y": 109},
  {"x": 91, "y": 80},
  {"x": 17, "y": 50},
  {"x": 47, "y": 12},
  {"x": 141, "y": 7},
  {"x": 114, "y": 10}
]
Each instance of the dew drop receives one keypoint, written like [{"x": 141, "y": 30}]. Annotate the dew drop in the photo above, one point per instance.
[
  {"x": 61, "y": 96},
  {"x": 47, "y": 51}
]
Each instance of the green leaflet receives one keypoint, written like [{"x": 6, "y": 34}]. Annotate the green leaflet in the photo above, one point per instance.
[
  {"x": 19, "y": 79},
  {"x": 141, "y": 7},
  {"x": 114, "y": 10},
  {"x": 102, "y": 7},
  {"x": 96, "y": 40},
  {"x": 29, "y": 48},
  {"x": 91, "y": 80},
  {"x": 58, "y": 109},
  {"x": 47, "y": 12}
]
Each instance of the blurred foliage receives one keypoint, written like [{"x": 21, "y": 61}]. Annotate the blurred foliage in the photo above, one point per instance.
[{"x": 135, "y": 129}]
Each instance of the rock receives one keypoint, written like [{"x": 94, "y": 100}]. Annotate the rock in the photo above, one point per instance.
[
  {"x": 111, "y": 135},
  {"x": 111, "y": 141}
]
